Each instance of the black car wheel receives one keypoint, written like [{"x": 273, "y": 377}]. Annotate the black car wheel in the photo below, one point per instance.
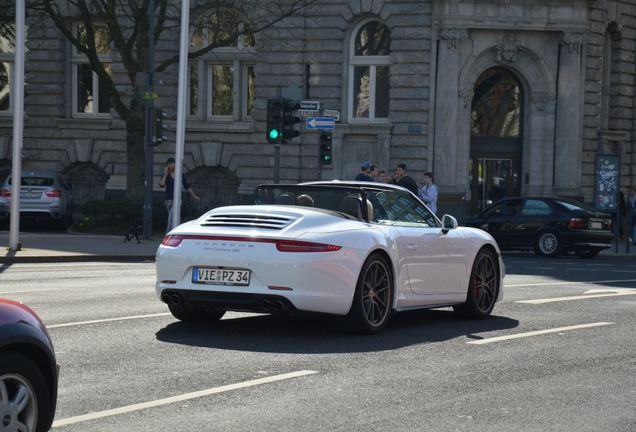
[
  {"x": 483, "y": 287},
  {"x": 372, "y": 299},
  {"x": 548, "y": 244},
  {"x": 24, "y": 402}
]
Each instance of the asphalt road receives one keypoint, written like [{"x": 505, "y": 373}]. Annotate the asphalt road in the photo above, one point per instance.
[{"x": 558, "y": 354}]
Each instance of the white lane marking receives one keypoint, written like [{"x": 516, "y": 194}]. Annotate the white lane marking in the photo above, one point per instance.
[
  {"x": 77, "y": 323},
  {"x": 545, "y": 283},
  {"x": 28, "y": 291},
  {"x": 597, "y": 293},
  {"x": 180, "y": 398},
  {"x": 537, "y": 333}
]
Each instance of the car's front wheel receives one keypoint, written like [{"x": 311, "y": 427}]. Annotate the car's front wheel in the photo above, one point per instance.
[
  {"x": 483, "y": 287},
  {"x": 24, "y": 402},
  {"x": 372, "y": 300},
  {"x": 548, "y": 244}
]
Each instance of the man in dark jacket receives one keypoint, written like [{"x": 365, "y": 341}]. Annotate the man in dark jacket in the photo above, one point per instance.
[{"x": 402, "y": 179}]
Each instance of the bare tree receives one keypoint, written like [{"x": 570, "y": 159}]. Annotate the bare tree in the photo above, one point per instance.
[{"x": 128, "y": 25}]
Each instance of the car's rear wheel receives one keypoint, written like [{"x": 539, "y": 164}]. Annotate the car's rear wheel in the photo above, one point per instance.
[
  {"x": 483, "y": 287},
  {"x": 372, "y": 300},
  {"x": 24, "y": 402},
  {"x": 548, "y": 244},
  {"x": 588, "y": 253},
  {"x": 195, "y": 314}
]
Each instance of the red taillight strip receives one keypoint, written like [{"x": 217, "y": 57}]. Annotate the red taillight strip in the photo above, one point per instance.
[
  {"x": 5, "y": 193},
  {"x": 281, "y": 245}
]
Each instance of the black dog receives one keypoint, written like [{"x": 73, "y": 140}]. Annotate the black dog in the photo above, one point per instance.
[{"x": 133, "y": 233}]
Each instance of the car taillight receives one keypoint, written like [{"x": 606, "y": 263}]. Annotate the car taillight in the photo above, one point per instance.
[
  {"x": 54, "y": 194},
  {"x": 576, "y": 223},
  {"x": 298, "y": 246},
  {"x": 172, "y": 240},
  {"x": 5, "y": 193}
]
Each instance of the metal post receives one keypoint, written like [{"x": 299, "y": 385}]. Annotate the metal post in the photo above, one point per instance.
[
  {"x": 276, "y": 163},
  {"x": 149, "y": 159}
]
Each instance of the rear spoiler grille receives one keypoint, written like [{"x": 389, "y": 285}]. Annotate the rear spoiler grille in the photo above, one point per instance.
[{"x": 248, "y": 221}]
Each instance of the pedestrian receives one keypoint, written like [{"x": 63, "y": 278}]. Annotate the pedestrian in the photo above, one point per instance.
[
  {"x": 365, "y": 172},
  {"x": 382, "y": 177},
  {"x": 403, "y": 179},
  {"x": 428, "y": 193},
  {"x": 622, "y": 213},
  {"x": 631, "y": 214},
  {"x": 167, "y": 181}
]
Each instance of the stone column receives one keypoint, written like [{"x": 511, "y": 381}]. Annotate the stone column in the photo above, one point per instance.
[{"x": 569, "y": 115}]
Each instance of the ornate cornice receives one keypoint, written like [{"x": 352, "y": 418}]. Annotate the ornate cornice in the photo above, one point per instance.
[
  {"x": 541, "y": 99},
  {"x": 452, "y": 36},
  {"x": 575, "y": 40}
]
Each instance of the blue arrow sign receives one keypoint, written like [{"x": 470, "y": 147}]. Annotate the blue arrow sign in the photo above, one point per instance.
[{"x": 320, "y": 123}]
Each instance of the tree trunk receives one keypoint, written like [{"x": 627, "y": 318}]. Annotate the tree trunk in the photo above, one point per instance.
[{"x": 135, "y": 150}]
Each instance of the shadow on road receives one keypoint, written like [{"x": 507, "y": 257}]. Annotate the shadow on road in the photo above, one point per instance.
[{"x": 319, "y": 335}]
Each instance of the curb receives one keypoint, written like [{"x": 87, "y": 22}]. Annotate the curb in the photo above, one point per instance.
[{"x": 75, "y": 258}]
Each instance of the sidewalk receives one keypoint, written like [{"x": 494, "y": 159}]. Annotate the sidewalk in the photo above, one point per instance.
[
  {"x": 65, "y": 246},
  {"x": 37, "y": 247}
]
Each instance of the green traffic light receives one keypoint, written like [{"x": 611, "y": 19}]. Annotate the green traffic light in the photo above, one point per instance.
[{"x": 274, "y": 134}]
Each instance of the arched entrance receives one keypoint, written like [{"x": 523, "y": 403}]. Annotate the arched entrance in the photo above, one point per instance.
[{"x": 495, "y": 137}]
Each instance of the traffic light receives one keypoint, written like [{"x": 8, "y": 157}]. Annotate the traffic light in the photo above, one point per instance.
[
  {"x": 325, "y": 148},
  {"x": 290, "y": 106},
  {"x": 157, "y": 117},
  {"x": 274, "y": 130}
]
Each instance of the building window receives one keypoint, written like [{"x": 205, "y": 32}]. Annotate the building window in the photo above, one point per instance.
[
  {"x": 7, "y": 55},
  {"x": 89, "y": 95},
  {"x": 369, "y": 65},
  {"x": 496, "y": 106},
  {"x": 221, "y": 79}
]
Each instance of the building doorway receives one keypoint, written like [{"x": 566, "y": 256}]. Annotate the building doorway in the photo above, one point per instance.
[
  {"x": 492, "y": 179},
  {"x": 496, "y": 141}
]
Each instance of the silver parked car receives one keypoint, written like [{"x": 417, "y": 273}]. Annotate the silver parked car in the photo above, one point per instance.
[{"x": 44, "y": 198}]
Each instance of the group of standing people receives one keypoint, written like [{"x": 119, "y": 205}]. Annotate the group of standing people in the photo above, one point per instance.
[{"x": 427, "y": 193}]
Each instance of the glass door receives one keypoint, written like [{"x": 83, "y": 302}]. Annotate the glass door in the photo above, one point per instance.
[{"x": 492, "y": 179}]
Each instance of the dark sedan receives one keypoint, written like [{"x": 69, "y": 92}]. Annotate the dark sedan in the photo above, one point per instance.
[
  {"x": 28, "y": 370},
  {"x": 550, "y": 226}
]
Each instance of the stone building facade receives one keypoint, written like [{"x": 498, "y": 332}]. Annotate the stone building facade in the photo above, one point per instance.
[{"x": 496, "y": 97}]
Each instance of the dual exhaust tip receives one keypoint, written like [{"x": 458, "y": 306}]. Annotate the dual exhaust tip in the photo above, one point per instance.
[{"x": 171, "y": 299}]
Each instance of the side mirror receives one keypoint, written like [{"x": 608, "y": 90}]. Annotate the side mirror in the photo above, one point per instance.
[{"x": 448, "y": 223}]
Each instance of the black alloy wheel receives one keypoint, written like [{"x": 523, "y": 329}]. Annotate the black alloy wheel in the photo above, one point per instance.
[
  {"x": 483, "y": 287},
  {"x": 372, "y": 300}
]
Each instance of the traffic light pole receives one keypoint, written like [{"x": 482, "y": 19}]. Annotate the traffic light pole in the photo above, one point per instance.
[
  {"x": 149, "y": 156},
  {"x": 276, "y": 163}
]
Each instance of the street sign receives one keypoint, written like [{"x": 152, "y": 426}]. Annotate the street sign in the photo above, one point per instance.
[
  {"x": 307, "y": 113},
  {"x": 310, "y": 105},
  {"x": 320, "y": 123},
  {"x": 333, "y": 113}
]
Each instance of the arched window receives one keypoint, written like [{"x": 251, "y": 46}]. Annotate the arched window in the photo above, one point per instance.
[
  {"x": 496, "y": 106},
  {"x": 369, "y": 71},
  {"x": 221, "y": 78}
]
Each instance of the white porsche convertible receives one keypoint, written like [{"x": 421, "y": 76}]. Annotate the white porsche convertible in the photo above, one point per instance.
[{"x": 357, "y": 250}]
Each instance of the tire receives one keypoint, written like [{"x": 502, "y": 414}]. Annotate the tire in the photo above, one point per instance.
[
  {"x": 195, "y": 314},
  {"x": 548, "y": 244},
  {"x": 483, "y": 287},
  {"x": 586, "y": 254},
  {"x": 21, "y": 379},
  {"x": 373, "y": 299}
]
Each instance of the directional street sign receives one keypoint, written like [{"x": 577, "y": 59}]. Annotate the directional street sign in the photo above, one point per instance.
[
  {"x": 332, "y": 113},
  {"x": 310, "y": 105},
  {"x": 307, "y": 113},
  {"x": 320, "y": 123}
]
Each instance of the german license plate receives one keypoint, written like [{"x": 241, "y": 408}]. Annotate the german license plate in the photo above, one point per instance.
[
  {"x": 30, "y": 195},
  {"x": 596, "y": 225},
  {"x": 220, "y": 276}
]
